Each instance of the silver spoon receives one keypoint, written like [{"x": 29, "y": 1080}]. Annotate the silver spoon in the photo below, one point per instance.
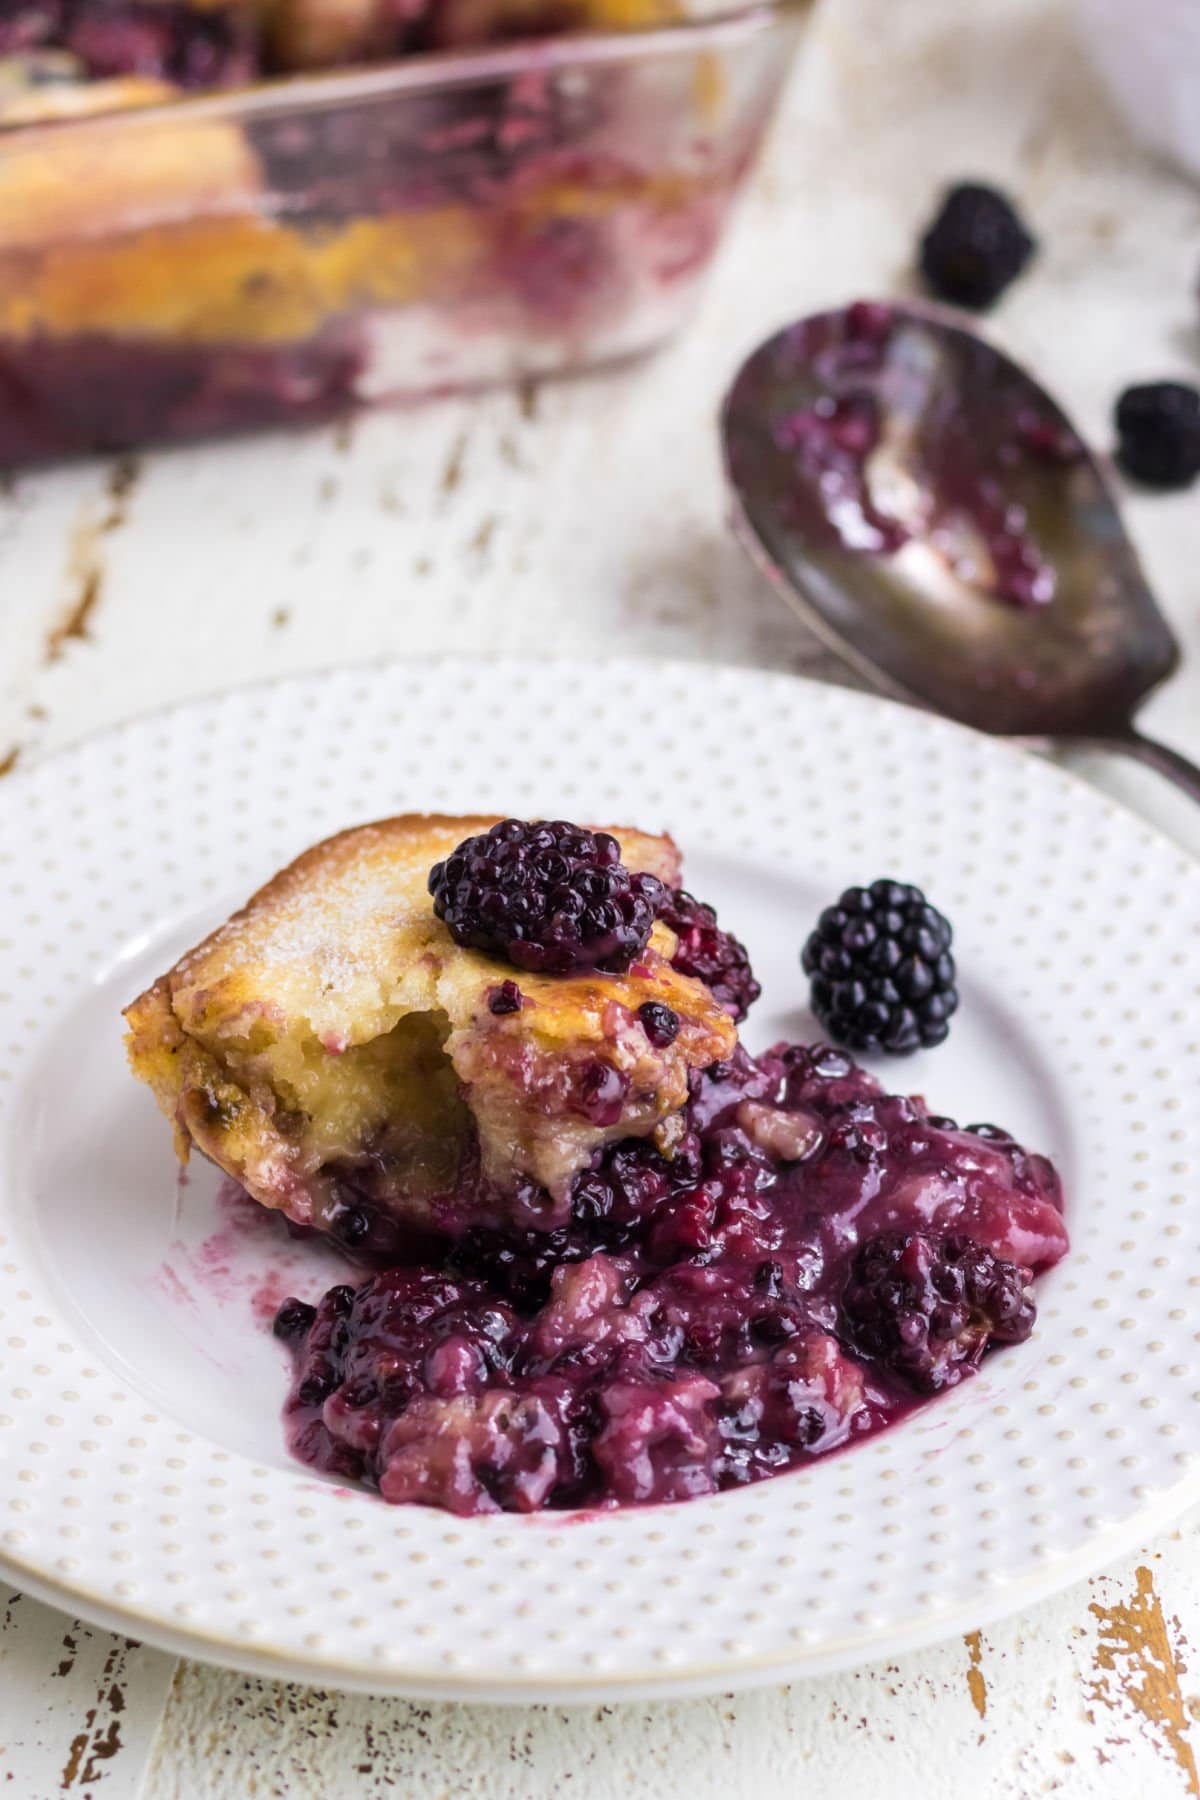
[{"x": 934, "y": 516}]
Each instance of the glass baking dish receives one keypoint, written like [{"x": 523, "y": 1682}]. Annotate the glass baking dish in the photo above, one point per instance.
[{"x": 291, "y": 251}]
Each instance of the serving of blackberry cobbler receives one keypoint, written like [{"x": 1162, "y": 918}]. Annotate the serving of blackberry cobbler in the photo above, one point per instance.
[{"x": 603, "y": 1254}]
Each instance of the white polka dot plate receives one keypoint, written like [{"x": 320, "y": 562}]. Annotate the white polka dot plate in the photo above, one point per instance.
[{"x": 143, "y": 1475}]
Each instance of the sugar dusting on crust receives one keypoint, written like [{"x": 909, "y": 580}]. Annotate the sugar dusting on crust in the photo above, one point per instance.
[{"x": 354, "y": 910}]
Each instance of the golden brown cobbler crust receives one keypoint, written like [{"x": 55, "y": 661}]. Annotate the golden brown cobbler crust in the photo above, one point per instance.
[{"x": 334, "y": 1013}]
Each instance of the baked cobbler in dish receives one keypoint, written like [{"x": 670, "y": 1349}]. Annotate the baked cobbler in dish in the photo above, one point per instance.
[
  {"x": 189, "y": 245},
  {"x": 605, "y": 1254}
]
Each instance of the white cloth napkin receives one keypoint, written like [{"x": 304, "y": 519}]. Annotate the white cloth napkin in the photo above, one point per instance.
[{"x": 1148, "y": 51}]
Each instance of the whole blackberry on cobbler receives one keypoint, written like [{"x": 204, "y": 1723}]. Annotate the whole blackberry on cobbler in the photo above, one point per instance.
[
  {"x": 882, "y": 975},
  {"x": 659, "y": 1022},
  {"x": 975, "y": 246},
  {"x": 713, "y": 956},
  {"x": 927, "y": 1307},
  {"x": 549, "y": 896}
]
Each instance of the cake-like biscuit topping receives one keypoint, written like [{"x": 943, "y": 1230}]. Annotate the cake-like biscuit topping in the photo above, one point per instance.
[{"x": 334, "y": 1050}]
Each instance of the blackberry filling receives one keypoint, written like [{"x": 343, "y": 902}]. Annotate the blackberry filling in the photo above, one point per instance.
[
  {"x": 814, "y": 1256},
  {"x": 714, "y": 956},
  {"x": 463, "y": 147},
  {"x": 928, "y": 1307},
  {"x": 659, "y": 1022}
]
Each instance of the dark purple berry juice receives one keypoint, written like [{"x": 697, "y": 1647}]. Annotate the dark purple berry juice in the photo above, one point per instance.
[{"x": 815, "y": 1257}]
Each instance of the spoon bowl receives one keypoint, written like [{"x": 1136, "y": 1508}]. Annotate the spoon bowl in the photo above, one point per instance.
[{"x": 933, "y": 514}]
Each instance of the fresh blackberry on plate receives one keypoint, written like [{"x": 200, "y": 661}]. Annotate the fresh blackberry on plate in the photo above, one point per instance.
[
  {"x": 549, "y": 896},
  {"x": 928, "y": 1307},
  {"x": 975, "y": 246},
  {"x": 881, "y": 970},
  {"x": 1158, "y": 433},
  {"x": 713, "y": 956}
]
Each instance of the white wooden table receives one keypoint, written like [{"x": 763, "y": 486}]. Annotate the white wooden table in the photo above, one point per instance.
[{"x": 583, "y": 516}]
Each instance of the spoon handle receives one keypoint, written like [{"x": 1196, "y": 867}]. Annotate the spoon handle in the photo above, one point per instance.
[{"x": 1168, "y": 762}]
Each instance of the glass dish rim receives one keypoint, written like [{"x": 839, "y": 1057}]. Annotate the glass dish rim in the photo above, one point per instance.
[{"x": 430, "y": 71}]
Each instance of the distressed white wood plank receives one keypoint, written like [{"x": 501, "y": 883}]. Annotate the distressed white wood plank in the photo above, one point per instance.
[
  {"x": 79, "y": 1708},
  {"x": 1081, "y": 1698}
]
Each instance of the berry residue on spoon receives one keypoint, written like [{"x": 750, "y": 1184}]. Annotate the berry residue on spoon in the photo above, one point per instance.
[{"x": 897, "y": 443}]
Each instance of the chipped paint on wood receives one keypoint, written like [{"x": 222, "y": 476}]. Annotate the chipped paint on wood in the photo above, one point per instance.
[
  {"x": 70, "y": 1646},
  {"x": 1137, "y": 1673},
  {"x": 122, "y": 480},
  {"x": 509, "y": 455},
  {"x": 86, "y": 560},
  {"x": 8, "y": 761},
  {"x": 481, "y": 538},
  {"x": 976, "y": 1684},
  {"x": 76, "y": 621},
  {"x": 452, "y": 474},
  {"x": 78, "y": 1706},
  {"x": 99, "y": 1738}
]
